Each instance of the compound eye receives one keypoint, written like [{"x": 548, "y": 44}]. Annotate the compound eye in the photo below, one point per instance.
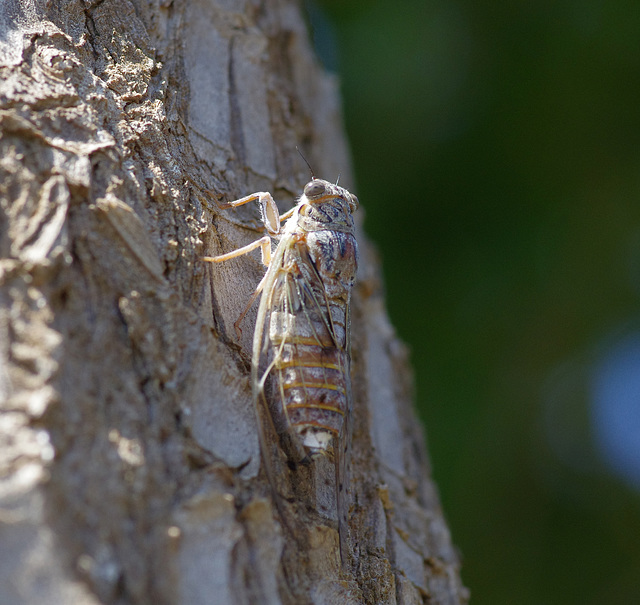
[
  {"x": 353, "y": 203},
  {"x": 314, "y": 189}
]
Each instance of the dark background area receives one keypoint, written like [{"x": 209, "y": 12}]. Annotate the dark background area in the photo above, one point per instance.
[{"x": 497, "y": 152}]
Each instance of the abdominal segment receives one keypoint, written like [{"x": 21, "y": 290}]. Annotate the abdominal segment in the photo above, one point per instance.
[{"x": 311, "y": 380}]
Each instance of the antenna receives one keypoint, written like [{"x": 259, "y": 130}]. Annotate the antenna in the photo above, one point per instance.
[{"x": 313, "y": 176}]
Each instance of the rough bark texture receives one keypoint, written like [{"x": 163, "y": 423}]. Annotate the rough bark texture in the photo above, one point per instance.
[{"x": 130, "y": 467}]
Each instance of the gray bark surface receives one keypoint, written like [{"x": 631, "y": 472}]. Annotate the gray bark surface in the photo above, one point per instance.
[{"x": 129, "y": 459}]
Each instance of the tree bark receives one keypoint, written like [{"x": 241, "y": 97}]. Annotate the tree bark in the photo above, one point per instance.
[{"x": 129, "y": 454}]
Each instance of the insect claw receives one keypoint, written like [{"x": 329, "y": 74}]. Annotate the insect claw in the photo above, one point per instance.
[{"x": 238, "y": 331}]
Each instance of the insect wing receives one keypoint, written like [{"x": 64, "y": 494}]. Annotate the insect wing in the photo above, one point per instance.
[
  {"x": 329, "y": 322},
  {"x": 300, "y": 366},
  {"x": 262, "y": 357},
  {"x": 343, "y": 453}
]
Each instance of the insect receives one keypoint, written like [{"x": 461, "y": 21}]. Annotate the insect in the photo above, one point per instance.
[{"x": 301, "y": 345}]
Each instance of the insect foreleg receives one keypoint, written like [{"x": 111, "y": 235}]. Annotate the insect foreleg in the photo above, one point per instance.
[{"x": 268, "y": 209}]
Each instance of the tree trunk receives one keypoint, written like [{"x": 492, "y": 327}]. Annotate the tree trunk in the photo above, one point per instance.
[{"x": 130, "y": 458}]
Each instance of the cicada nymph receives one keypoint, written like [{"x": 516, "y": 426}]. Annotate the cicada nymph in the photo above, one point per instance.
[{"x": 301, "y": 348}]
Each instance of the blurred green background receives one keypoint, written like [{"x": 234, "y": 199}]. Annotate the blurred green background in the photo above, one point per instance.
[{"x": 497, "y": 152}]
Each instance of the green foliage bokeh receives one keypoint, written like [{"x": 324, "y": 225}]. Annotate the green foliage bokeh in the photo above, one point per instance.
[{"x": 497, "y": 153}]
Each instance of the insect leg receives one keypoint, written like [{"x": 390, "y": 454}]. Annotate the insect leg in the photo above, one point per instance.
[
  {"x": 255, "y": 295},
  {"x": 288, "y": 214},
  {"x": 264, "y": 243},
  {"x": 268, "y": 209}
]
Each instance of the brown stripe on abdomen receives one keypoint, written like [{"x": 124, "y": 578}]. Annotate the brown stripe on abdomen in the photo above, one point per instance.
[{"x": 312, "y": 385}]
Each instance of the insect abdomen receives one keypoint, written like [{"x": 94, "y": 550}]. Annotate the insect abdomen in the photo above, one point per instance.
[{"x": 311, "y": 374}]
